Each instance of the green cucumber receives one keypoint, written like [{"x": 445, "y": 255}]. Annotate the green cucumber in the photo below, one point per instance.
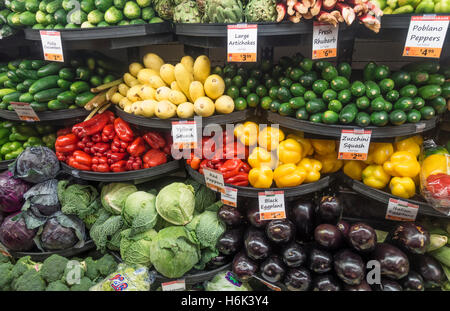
[
  {"x": 46, "y": 95},
  {"x": 38, "y": 107},
  {"x": 439, "y": 104},
  {"x": 408, "y": 91},
  {"x": 26, "y": 98},
  {"x": 66, "y": 74},
  {"x": 446, "y": 90},
  {"x": 45, "y": 83},
  {"x": 315, "y": 105},
  {"x": 401, "y": 78},
  {"x": 11, "y": 97},
  {"x": 369, "y": 71},
  {"x": 27, "y": 74},
  {"x": 67, "y": 97},
  {"x": 404, "y": 104},
  {"x": 372, "y": 90},
  {"x": 36, "y": 64},
  {"x": 83, "y": 98},
  {"x": 28, "y": 82},
  {"x": 79, "y": 87},
  {"x": 64, "y": 84},
  {"x": 430, "y": 91},
  {"x": 436, "y": 78},
  {"x": 21, "y": 88},
  {"x": 49, "y": 69},
  {"x": 56, "y": 105},
  {"x": 427, "y": 66}
]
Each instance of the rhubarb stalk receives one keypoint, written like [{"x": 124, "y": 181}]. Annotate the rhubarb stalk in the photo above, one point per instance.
[
  {"x": 290, "y": 7},
  {"x": 325, "y": 17},
  {"x": 347, "y": 12},
  {"x": 328, "y": 5},
  {"x": 316, "y": 8},
  {"x": 281, "y": 10},
  {"x": 370, "y": 22}
]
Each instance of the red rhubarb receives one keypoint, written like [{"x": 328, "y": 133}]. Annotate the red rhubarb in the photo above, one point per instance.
[
  {"x": 281, "y": 10},
  {"x": 370, "y": 22},
  {"x": 315, "y": 10},
  {"x": 347, "y": 12},
  {"x": 328, "y": 5}
]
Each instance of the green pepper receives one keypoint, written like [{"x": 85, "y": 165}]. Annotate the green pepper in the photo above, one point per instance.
[
  {"x": 4, "y": 140},
  {"x": 33, "y": 141},
  {"x": 393, "y": 4},
  {"x": 3, "y": 106},
  {"x": 388, "y": 10},
  {"x": 6, "y": 124},
  {"x": 44, "y": 129},
  {"x": 10, "y": 108},
  {"x": 10, "y": 147},
  {"x": 4, "y": 133},
  {"x": 442, "y": 6},
  {"x": 18, "y": 136},
  {"x": 49, "y": 140},
  {"x": 406, "y": 9},
  {"x": 14, "y": 154},
  {"x": 426, "y": 6},
  {"x": 25, "y": 129}
]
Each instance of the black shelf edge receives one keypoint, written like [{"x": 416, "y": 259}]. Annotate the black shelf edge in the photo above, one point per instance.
[
  {"x": 4, "y": 164},
  {"x": 230, "y": 118},
  {"x": 55, "y": 115},
  {"x": 251, "y": 192},
  {"x": 383, "y": 197},
  {"x": 335, "y": 130},
  {"x": 41, "y": 256},
  {"x": 194, "y": 276},
  {"x": 156, "y": 171},
  {"x": 401, "y": 21}
]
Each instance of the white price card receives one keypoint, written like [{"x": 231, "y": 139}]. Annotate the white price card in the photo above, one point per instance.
[
  {"x": 24, "y": 111},
  {"x": 426, "y": 35},
  {"x": 184, "y": 134},
  {"x": 52, "y": 46},
  {"x": 214, "y": 180},
  {"x": 271, "y": 205},
  {"x": 325, "y": 38},
  {"x": 242, "y": 43},
  {"x": 354, "y": 144},
  {"x": 178, "y": 285},
  {"x": 230, "y": 196},
  {"x": 401, "y": 210}
]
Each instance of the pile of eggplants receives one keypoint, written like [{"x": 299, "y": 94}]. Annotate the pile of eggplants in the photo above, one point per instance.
[{"x": 314, "y": 249}]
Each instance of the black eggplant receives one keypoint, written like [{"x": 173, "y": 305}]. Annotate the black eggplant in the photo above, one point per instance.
[
  {"x": 280, "y": 230},
  {"x": 410, "y": 237},
  {"x": 243, "y": 267},
  {"x": 217, "y": 261},
  {"x": 320, "y": 261},
  {"x": 253, "y": 217},
  {"x": 231, "y": 216},
  {"x": 361, "y": 287},
  {"x": 272, "y": 269},
  {"x": 430, "y": 270},
  {"x": 344, "y": 227},
  {"x": 328, "y": 236},
  {"x": 388, "y": 285},
  {"x": 362, "y": 237},
  {"x": 256, "y": 244},
  {"x": 326, "y": 282},
  {"x": 298, "y": 279},
  {"x": 294, "y": 255},
  {"x": 230, "y": 241},
  {"x": 413, "y": 282},
  {"x": 329, "y": 210},
  {"x": 349, "y": 267},
  {"x": 393, "y": 262},
  {"x": 302, "y": 215}
]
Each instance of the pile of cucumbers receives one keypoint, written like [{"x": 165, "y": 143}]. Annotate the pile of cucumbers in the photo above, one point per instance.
[
  {"x": 52, "y": 85},
  {"x": 68, "y": 14},
  {"x": 323, "y": 93}
]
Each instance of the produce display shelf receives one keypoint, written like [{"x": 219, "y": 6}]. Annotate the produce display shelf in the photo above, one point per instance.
[
  {"x": 383, "y": 197},
  {"x": 251, "y": 192},
  {"x": 55, "y": 115},
  {"x": 329, "y": 130},
  {"x": 194, "y": 276},
  {"x": 4, "y": 164},
  {"x": 146, "y": 173},
  {"x": 401, "y": 21},
  {"x": 230, "y": 118},
  {"x": 69, "y": 252}
]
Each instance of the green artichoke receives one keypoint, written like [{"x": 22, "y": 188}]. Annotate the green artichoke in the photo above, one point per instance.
[
  {"x": 187, "y": 12},
  {"x": 164, "y": 8},
  {"x": 223, "y": 11},
  {"x": 261, "y": 11}
]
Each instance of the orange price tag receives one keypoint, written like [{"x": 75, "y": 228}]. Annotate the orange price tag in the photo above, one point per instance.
[
  {"x": 52, "y": 46},
  {"x": 242, "y": 57},
  {"x": 354, "y": 144},
  {"x": 325, "y": 53},
  {"x": 24, "y": 111},
  {"x": 426, "y": 36},
  {"x": 401, "y": 210},
  {"x": 229, "y": 197},
  {"x": 325, "y": 38},
  {"x": 271, "y": 205},
  {"x": 184, "y": 134},
  {"x": 214, "y": 180},
  {"x": 242, "y": 42}
]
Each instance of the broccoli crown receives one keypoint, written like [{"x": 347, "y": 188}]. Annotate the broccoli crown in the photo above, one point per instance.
[
  {"x": 5, "y": 276},
  {"x": 22, "y": 265},
  {"x": 73, "y": 272},
  {"x": 84, "y": 285},
  {"x": 106, "y": 265},
  {"x": 57, "y": 286},
  {"x": 91, "y": 268},
  {"x": 53, "y": 268},
  {"x": 31, "y": 280}
]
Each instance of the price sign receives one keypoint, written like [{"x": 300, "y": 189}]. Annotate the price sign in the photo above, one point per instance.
[
  {"x": 178, "y": 285},
  {"x": 269, "y": 285},
  {"x": 426, "y": 35},
  {"x": 401, "y": 210},
  {"x": 51, "y": 44},
  {"x": 354, "y": 144},
  {"x": 184, "y": 134},
  {"x": 242, "y": 43},
  {"x": 271, "y": 205},
  {"x": 230, "y": 196},
  {"x": 325, "y": 38},
  {"x": 24, "y": 111},
  {"x": 214, "y": 180}
]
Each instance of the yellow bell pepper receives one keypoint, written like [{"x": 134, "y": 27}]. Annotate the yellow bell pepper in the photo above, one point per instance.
[
  {"x": 261, "y": 177},
  {"x": 312, "y": 168},
  {"x": 408, "y": 144},
  {"x": 374, "y": 176},
  {"x": 289, "y": 151},
  {"x": 307, "y": 148},
  {"x": 261, "y": 157},
  {"x": 353, "y": 169},
  {"x": 322, "y": 146},
  {"x": 402, "y": 164},
  {"x": 289, "y": 175},
  {"x": 403, "y": 187},
  {"x": 270, "y": 137},
  {"x": 330, "y": 162},
  {"x": 247, "y": 133},
  {"x": 379, "y": 153},
  {"x": 434, "y": 164},
  {"x": 418, "y": 139}
]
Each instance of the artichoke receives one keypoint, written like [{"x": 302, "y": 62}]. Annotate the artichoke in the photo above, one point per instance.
[
  {"x": 223, "y": 11},
  {"x": 201, "y": 5},
  {"x": 187, "y": 12},
  {"x": 164, "y": 8},
  {"x": 261, "y": 11}
]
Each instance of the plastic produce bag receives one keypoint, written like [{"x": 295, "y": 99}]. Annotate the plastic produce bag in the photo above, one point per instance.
[
  {"x": 42, "y": 198},
  {"x": 35, "y": 165},
  {"x": 435, "y": 176},
  {"x": 226, "y": 281},
  {"x": 126, "y": 278}
]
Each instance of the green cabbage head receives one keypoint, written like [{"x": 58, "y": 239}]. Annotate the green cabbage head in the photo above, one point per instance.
[
  {"x": 136, "y": 249},
  {"x": 114, "y": 196},
  {"x": 174, "y": 251},
  {"x": 175, "y": 203},
  {"x": 139, "y": 212}
]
